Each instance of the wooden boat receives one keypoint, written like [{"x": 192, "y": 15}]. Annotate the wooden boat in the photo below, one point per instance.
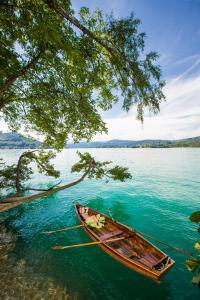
[{"x": 132, "y": 250}]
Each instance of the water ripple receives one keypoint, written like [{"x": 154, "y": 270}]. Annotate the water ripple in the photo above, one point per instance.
[{"x": 158, "y": 200}]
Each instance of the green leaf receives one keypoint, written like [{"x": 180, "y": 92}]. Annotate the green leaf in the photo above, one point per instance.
[
  {"x": 100, "y": 170},
  {"x": 196, "y": 279},
  {"x": 195, "y": 217},
  {"x": 55, "y": 78},
  {"x": 120, "y": 173},
  {"x": 197, "y": 246},
  {"x": 191, "y": 264}
]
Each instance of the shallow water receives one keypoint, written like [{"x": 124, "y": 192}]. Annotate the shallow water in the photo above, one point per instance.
[{"x": 158, "y": 200}]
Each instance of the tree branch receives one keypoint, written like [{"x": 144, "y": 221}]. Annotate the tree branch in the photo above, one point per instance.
[
  {"x": 11, "y": 202},
  {"x": 53, "y": 5},
  {"x": 64, "y": 13},
  {"x": 17, "y": 181},
  {"x": 7, "y": 84},
  {"x": 43, "y": 190}
]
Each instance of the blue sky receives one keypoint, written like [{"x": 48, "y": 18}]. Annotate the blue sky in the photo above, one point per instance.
[
  {"x": 172, "y": 26},
  {"x": 173, "y": 30}
]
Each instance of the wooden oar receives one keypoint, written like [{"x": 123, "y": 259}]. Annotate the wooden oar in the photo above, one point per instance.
[
  {"x": 88, "y": 244},
  {"x": 170, "y": 246},
  {"x": 62, "y": 229},
  {"x": 136, "y": 231},
  {"x": 153, "y": 238}
]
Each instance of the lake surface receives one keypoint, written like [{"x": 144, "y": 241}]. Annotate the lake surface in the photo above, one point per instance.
[{"x": 158, "y": 200}]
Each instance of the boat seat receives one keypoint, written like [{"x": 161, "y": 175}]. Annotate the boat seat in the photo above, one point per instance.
[
  {"x": 146, "y": 262},
  {"x": 124, "y": 251},
  {"x": 149, "y": 260},
  {"x": 109, "y": 235},
  {"x": 161, "y": 261},
  {"x": 150, "y": 257}
]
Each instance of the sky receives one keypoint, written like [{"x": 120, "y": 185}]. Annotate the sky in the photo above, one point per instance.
[{"x": 173, "y": 30}]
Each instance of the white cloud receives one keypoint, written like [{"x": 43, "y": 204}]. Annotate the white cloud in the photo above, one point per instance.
[
  {"x": 192, "y": 67},
  {"x": 186, "y": 59},
  {"x": 179, "y": 116}
]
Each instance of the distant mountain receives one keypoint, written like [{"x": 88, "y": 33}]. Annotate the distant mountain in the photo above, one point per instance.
[
  {"x": 12, "y": 140},
  {"x": 17, "y": 141},
  {"x": 190, "y": 142}
]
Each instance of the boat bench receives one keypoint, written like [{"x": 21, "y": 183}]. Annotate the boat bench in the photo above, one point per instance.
[
  {"x": 150, "y": 260},
  {"x": 149, "y": 263},
  {"x": 124, "y": 251},
  {"x": 109, "y": 235}
]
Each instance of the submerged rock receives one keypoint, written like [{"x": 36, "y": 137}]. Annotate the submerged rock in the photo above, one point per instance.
[{"x": 18, "y": 281}]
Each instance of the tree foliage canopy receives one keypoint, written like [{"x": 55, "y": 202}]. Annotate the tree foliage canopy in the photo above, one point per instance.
[
  {"x": 100, "y": 169},
  {"x": 15, "y": 176},
  {"x": 58, "y": 72}
]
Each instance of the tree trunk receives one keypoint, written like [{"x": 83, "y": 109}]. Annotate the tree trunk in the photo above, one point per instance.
[{"x": 11, "y": 202}]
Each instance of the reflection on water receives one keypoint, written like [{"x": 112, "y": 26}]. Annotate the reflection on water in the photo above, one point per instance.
[{"x": 158, "y": 200}]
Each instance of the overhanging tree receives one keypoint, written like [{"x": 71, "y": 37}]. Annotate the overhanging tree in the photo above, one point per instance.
[
  {"x": 58, "y": 71},
  {"x": 15, "y": 176}
]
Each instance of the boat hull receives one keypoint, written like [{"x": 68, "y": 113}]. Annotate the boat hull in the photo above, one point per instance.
[{"x": 136, "y": 266}]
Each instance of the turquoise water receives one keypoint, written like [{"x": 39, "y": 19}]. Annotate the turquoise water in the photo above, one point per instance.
[{"x": 158, "y": 200}]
